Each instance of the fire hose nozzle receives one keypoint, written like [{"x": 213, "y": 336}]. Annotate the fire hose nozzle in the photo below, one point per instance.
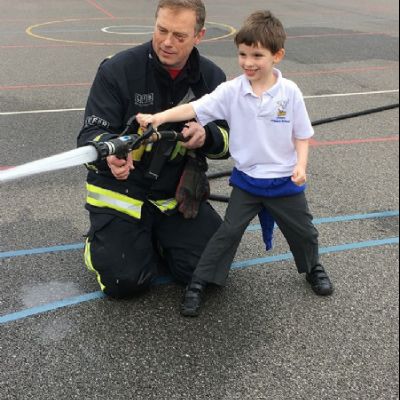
[
  {"x": 123, "y": 145},
  {"x": 119, "y": 147}
]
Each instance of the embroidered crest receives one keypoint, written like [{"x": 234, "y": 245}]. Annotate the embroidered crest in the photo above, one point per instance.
[
  {"x": 282, "y": 108},
  {"x": 281, "y": 111}
]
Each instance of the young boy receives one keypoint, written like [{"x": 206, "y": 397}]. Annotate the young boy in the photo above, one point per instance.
[{"x": 269, "y": 142}]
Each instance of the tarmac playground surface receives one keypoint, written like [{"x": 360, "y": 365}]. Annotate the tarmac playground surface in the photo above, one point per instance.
[{"x": 265, "y": 336}]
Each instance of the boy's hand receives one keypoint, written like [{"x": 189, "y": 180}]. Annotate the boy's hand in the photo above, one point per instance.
[
  {"x": 145, "y": 120},
  {"x": 299, "y": 176}
]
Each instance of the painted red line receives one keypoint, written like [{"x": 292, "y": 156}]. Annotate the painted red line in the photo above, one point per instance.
[
  {"x": 318, "y": 143},
  {"x": 44, "y": 20},
  {"x": 52, "y": 46},
  {"x": 340, "y": 71},
  {"x": 335, "y": 71},
  {"x": 84, "y": 84},
  {"x": 45, "y": 86},
  {"x": 22, "y": 46},
  {"x": 315, "y": 143},
  {"x": 311, "y": 36},
  {"x": 101, "y": 9},
  {"x": 339, "y": 35}
]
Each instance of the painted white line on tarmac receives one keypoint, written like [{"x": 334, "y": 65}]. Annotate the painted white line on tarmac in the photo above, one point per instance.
[
  {"x": 326, "y": 96},
  {"x": 41, "y": 111},
  {"x": 306, "y": 97}
]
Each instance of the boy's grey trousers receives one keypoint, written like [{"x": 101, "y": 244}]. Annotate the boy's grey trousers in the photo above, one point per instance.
[{"x": 291, "y": 214}]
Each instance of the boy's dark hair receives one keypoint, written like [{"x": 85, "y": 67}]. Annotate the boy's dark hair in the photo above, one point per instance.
[
  {"x": 262, "y": 28},
  {"x": 196, "y": 5}
]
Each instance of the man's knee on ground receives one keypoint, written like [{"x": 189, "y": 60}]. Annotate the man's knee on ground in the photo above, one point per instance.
[{"x": 125, "y": 288}]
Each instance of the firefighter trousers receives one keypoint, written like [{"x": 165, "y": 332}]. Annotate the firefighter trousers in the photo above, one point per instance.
[{"x": 124, "y": 253}]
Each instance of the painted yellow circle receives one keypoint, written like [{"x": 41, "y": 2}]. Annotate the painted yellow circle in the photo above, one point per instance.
[{"x": 30, "y": 32}]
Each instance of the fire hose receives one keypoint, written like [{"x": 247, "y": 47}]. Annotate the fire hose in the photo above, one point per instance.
[{"x": 119, "y": 147}]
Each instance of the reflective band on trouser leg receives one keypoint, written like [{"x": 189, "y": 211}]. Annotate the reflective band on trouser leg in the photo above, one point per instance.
[
  {"x": 165, "y": 205},
  {"x": 104, "y": 198},
  {"x": 89, "y": 264}
]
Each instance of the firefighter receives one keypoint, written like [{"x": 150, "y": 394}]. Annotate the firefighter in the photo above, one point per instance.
[{"x": 152, "y": 204}]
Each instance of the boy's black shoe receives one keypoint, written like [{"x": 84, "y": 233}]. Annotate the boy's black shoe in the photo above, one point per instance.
[
  {"x": 319, "y": 281},
  {"x": 192, "y": 299}
]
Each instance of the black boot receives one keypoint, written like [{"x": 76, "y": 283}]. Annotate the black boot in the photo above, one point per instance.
[
  {"x": 193, "y": 298},
  {"x": 319, "y": 281}
]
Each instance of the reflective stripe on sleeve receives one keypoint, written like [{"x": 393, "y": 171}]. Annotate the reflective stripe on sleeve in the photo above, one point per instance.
[{"x": 225, "y": 136}]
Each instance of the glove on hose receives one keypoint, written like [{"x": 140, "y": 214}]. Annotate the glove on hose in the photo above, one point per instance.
[{"x": 194, "y": 186}]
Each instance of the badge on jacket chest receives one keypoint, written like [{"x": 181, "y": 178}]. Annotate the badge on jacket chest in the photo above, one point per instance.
[{"x": 144, "y": 100}]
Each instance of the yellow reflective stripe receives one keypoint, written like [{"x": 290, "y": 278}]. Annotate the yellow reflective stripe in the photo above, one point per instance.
[
  {"x": 91, "y": 166},
  {"x": 149, "y": 147},
  {"x": 165, "y": 205},
  {"x": 225, "y": 136},
  {"x": 179, "y": 149},
  {"x": 137, "y": 154},
  {"x": 89, "y": 264},
  {"x": 104, "y": 198},
  {"x": 97, "y": 138}
]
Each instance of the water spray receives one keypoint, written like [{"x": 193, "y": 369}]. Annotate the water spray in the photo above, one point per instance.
[{"x": 119, "y": 147}]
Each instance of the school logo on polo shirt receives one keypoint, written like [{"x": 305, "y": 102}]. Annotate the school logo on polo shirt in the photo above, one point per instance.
[{"x": 281, "y": 111}]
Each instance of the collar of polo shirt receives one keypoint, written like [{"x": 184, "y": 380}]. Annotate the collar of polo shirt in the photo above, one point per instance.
[{"x": 273, "y": 92}]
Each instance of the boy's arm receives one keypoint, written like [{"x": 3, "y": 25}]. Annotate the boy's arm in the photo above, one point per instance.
[
  {"x": 184, "y": 112},
  {"x": 300, "y": 172}
]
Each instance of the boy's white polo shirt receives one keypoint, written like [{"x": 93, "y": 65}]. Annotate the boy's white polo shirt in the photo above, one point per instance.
[{"x": 262, "y": 129}]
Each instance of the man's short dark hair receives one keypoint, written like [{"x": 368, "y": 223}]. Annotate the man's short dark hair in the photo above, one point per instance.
[
  {"x": 196, "y": 5},
  {"x": 262, "y": 28}
]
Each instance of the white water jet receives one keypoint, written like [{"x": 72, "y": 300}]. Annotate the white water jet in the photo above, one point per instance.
[{"x": 65, "y": 160}]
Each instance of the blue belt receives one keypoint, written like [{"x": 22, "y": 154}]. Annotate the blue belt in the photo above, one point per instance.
[{"x": 272, "y": 188}]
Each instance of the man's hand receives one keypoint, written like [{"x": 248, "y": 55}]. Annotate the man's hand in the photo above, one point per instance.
[
  {"x": 299, "y": 176},
  {"x": 195, "y": 134},
  {"x": 120, "y": 168}
]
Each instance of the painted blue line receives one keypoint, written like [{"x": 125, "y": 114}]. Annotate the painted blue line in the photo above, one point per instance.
[
  {"x": 344, "y": 218},
  {"x": 357, "y": 217},
  {"x": 164, "y": 280},
  {"x": 325, "y": 250},
  {"x": 252, "y": 228},
  {"x": 50, "y": 307},
  {"x": 43, "y": 250}
]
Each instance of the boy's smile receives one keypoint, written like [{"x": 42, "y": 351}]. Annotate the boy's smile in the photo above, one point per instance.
[{"x": 258, "y": 62}]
